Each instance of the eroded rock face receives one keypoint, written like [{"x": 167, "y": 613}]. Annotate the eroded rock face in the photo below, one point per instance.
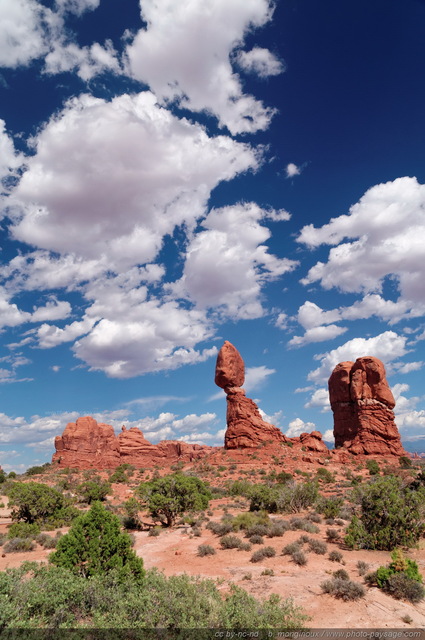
[
  {"x": 313, "y": 442},
  {"x": 87, "y": 444},
  {"x": 245, "y": 426},
  {"x": 362, "y": 404}
]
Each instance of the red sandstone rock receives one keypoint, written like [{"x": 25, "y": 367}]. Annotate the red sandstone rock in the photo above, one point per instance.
[
  {"x": 245, "y": 426},
  {"x": 313, "y": 442},
  {"x": 230, "y": 368},
  {"x": 87, "y": 444},
  {"x": 362, "y": 404}
]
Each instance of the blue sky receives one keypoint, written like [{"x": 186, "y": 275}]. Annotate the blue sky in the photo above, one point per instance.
[{"x": 174, "y": 175}]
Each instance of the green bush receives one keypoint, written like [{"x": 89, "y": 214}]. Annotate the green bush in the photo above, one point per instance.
[
  {"x": 95, "y": 544},
  {"x": 46, "y": 541},
  {"x": 2, "y": 476},
  {"x": 405, "y": 462},
  {"x": 169, "y": 497},
  {"x": 325, "y": 475},
  {"x": 93, "y": 490},
  {"x": 249, "y": 519},
  {"x": 373, "y": 467},
  {"x": 391, "y": 515},
  {"x": 23, "y": 530},
  {"x": 330, "y": 507},
  {"x": 344, "y": 589},
  {"x": 52, "y": 597},
  {"x": 37, "y": 470},
  {"x": 35, "y": 502}
]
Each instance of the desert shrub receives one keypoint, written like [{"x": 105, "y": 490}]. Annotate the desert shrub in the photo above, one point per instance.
[
  {"x": 344, "y": 589},
  {"x": 295, "y": 497},
  {"x": 131, "y": 519},
  {"x": 46, "y": 541},
  {"x": 335, "y": 556},
  {"x": 35, "y": 502},
  {"x": 317, "y": 546},
  {"x": 95, "y": 544},
  {"x": 154, "y": 532},
  {"x": 23, "y": 530},
  {"x": 256, "y": 539},
  {"x": 220, "y": 528},
  {"x": 2, "y": 476},
  {"x": 260, "y": 554},
  {"x": 373, "y": 467},
  {"x": 391, "y": 515},
  {"x": 37, "y": 470},
  {"x": 277, "y": 529},
  {"x": 52, "y": 597},
  {"x": 341, "y": 574},
  {"x": 264, "y": 498},
  {"x": 402, "y": 587},
  {"x": 304, "y": 525},
  {"x": 299, "y": 557},
  {"x": 267, "y": 572},
  {"x": 405, "y": 462},
  {"x": 3, "y": 538},
  {"x": 332, "y": 535},
  {"x": 249, "y": 519},
  {"x": 169, "y": 497},
  {"x": 314, "y": 517},
  {"x": 206, "y": 550},
  {"x": 240, "y": 488},
  {"x": 330, "y": 507},
  {"x": 283, "y": 477},
  {"x": 258, "y": 530},
  {"x": 325, "y": 475},
  {"x": 291, "y": 548},
  {"x": 245, "y": 546},
  {"x": 19, "y": 544},
  {"x": 119, "y": 475},
  {"x": 303, "y": 539},
  {"x": 230, "y": 542},
  {"x": 196, "y": 531},
  {"x": 362, "y": 567},
  {"x": 93, "y": 490}
]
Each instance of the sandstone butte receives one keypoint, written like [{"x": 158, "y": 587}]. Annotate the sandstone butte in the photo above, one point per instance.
[
  {"x": 360, "y": 397},
  {"x": 362, "y": 404}
]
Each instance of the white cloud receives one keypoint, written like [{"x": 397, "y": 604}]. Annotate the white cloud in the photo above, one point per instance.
[
  {"x": 282, "y": 321},
  {"x": 310, "y": 315},
  {"x": 292, "y": 170},
  {"x": 260, "y": 61},
  {"x": 317, "y": 334},
  {"x": 87, "y": 61},
  {"x": 387, "y": 346},
  {"x": 77, "y": 6},
  {"x": 256, "y": 376},
  {"x": 273, "y": 418},
  {"x": 407, "y": 367},
  {"x": 328, "y": 436},
  {"x": 21, "y": 32},
  {"x": 320, "y": 398},
  {"x": 92, "y": 189},
  {"x": 53, "y": 310},
  {"x": 387, "y": 226},
  {"x": 298, "y": 426},
  {"x": 227, "y": 263},
  {"x": 184, "y": 55},
  {"x": 50, "y": 336},
  {"x": 192, "y": 422},
  {"x": 10, "y": 159}
]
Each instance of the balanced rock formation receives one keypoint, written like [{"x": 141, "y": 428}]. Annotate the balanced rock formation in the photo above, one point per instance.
[
  {"x": 88, "y": 444},
  {"x": 245, "y": 426},
  {"x": 362, "y": 404}
]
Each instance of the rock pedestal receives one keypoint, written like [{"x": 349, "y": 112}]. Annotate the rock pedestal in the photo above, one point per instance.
[
  {"x": 245, "y": 426},
  {"x": 362, "y": 404}
]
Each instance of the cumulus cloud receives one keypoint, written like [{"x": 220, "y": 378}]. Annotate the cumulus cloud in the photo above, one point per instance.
[
  {"x": 256, "y": 376},
  {"x": 92, "y": 189},
  {"x": 22, "y": 35},
  {"x": 298, "y": 426},
  {"x": 319, "y": 399},
  {"x": 317, "y": 334},
  {"x": 10, "y": 159},
  {"x": 387, "y": 346},
  {"x": 227, "y": 263},
  {"x": 77, "y": 6},
  {"x": 88, "y": 61},
  {"x": 260, "y": 61},
  {"x": 292, "y": 170},
  {"x": 184, "y": 54},
  {"x": 386, "y": 227}
]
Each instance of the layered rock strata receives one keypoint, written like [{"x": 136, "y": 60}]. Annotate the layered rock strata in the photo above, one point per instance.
[
  {"x": 362, "y": 404},
  {"x": 245, "y": 426},
  {"x": 88, "y": 444}
]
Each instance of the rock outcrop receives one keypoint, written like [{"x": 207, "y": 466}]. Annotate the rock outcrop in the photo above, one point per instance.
[
  {"x": 245, "y": 426},
  {"x": 362, "y": 404},
  {"x": 88, "y": 444},
  {"x": 313, "y": 442}
]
